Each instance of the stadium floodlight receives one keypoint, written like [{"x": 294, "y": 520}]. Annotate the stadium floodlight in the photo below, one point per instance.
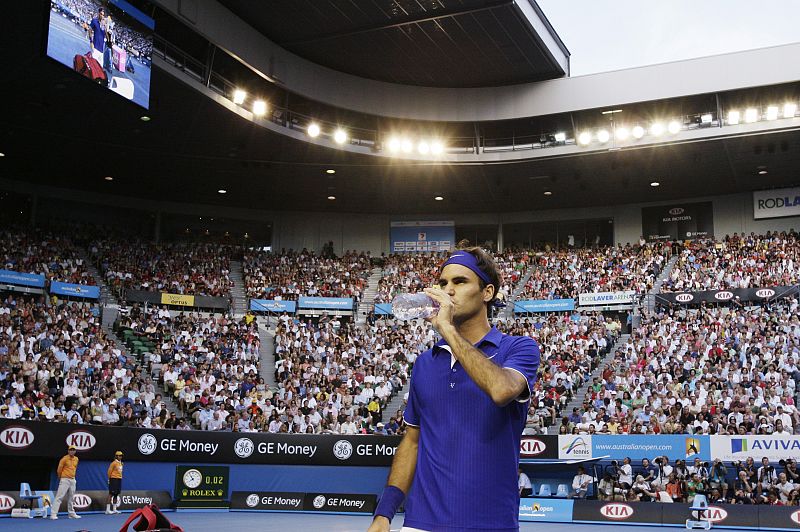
[
  {"x": 393, "y": 145},
  {"x": 622, "y": 133},
  {"x": 340, "y": 136},
  {"x": 239, "y": 96},
  {"x": 423, "y": 147},
  {"x": 657, "y": 129},
  {"x": 313, "y": 130},
  {"x": 107, "y": 178},
  {"x": 438, "y": 198},
  {"x": 406, "y": 146},
  {"x": 751, "y": 115},
  {"x": 674, "y": 127},
  {"x": 330, "y": 171},
  {"x": 655, "y": 184},
  {"x": 603, "y": 136},
  {"x": 789, "y": 110},
  {"x": 437, "y": 147},
  {"x": 560, "y": 136},
  {"x": 222, "y": 191},
  {"x": 331, "y": 198},
  {"x": 547, "y": 193},
  {"x": 259, "y": 107},
  {"x": 584, "y": 138},
  {"x": 733, "y": 118},
  {"x": 637, "y": 132},
  {"x": 772, "y": 112},
  {"x": 706, "y": 118}
]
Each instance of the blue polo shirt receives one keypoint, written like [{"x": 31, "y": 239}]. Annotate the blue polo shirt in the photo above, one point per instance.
[{"x": 466, "y": 475}]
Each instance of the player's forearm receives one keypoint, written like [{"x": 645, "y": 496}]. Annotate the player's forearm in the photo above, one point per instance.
[
  {"x": 405, "y": 461},
  {"x": 498, "y": 383}
]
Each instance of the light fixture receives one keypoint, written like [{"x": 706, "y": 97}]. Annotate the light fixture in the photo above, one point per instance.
[
  {"x": 584, "y": 138},
  {"x": 751, "y": 115},
  {"x": 340, "y": 136},
  {"x": 622, "y": 133},
  {"x": 239, "y": 96},
  {"x": 144, "y": 118},
  {"x": 330, "y": 171},
  {"x": 603, "y": 136},
  {"x": 222, "y": 191},
  {"x": 2, "y": 154},
  {"x": 560, "y": 136},
  {"x": 613, "y": 111},
  {"x": 437, "y": 147},
  {"x": 655, "y": 184},
  {"x": 393, "y": 144},
  {"x": 762, "y": 172},
  {"x": 637, "y": 132},
  {"x": 313, "y": 130},
  {"x": 259, "y": 107},
  {"x": 438, "y": 198},
  {"x": 331, "y": 198},
  {"x": 673, "y": 127},
  {"x": 789, "y": 109},
  {"x": 706, "y": 118},
  {"x": 657, "y": 129},
  {"x": 733, "y": 118},
  {"x": 406, "y": 146},
  {"x": 548, "y": 193},
  {"x": 108, "y": 178},
  {"x": 423, "y": 147},
  {"x": 772, "y": 112}
]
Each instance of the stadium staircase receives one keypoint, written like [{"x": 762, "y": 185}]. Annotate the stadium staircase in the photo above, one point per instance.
[
  {"x": 396, "y": 402},
  {"x": 107, "y": 297},
  {"x": 577, "y": 398},
  {"x": 508, "y": 312},
  {"x": 650, "y": 299},
  {"x": 238, "y": 294},
  {"x": 266, "y": 355},
  {"x": 368, "y": 297}
]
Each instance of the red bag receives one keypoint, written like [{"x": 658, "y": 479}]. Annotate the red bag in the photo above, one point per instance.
[
  {"x": 150, "y": 519},
  {"x": 89, "y": 67}
]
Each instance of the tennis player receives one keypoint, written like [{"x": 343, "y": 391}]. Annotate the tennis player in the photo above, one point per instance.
[{"x": 466, "y": 411}]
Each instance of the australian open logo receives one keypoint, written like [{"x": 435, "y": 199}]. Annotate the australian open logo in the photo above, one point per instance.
[
  {"x": 342, "y": 449},
  {"x": 684, "y": 298},
  {"x": 723, "y": 295},
  {"x": 765, "y": 293},
  {"x": 319, "y": 501},
  {"x": 147, "y": 443},
  {"x": 243, "y": 447},
  {"x": 676, "y": 211}
]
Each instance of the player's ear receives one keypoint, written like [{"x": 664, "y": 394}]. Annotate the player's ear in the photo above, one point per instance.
[{"x": 488, "y": 292}]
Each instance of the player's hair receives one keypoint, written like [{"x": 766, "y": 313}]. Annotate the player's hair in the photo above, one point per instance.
[{"x": 486, "y": 264}]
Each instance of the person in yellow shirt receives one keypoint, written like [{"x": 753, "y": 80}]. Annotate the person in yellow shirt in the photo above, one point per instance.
[
  {"x": 67, "y": 468},
  {"x": 114, "y": 484}
]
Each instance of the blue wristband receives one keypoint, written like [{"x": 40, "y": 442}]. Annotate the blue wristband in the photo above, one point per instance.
[{"x": 391, "y": 499}]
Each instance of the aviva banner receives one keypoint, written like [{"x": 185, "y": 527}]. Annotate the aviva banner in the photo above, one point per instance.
[
  {"x": 730, "y": 448},
  {"x": 180, "y": 300},
  {"x": 75, "y": 290}
]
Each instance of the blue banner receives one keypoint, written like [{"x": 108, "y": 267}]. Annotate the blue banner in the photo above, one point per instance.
[
  {"x": 75, "y": 290},
  {"x": 544, "y": 305},
  {"x": 423, "y": 236},
  {"x": 546, "y": 510},
  {"x": 382, "y": 309},
  {"x": 325, "y": 303},
  {"x": 673, "y": 446},
  {"x": 24, "y": 279},
  {"x": 270, "y": 305}
]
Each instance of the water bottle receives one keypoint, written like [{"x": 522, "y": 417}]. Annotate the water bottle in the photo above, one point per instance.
[{"x": 413, "y": 306}]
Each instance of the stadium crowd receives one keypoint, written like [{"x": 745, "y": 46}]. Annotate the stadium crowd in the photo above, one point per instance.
[
  {"x": 42, "y": 252},
  {"x": 737, "y": 261}
]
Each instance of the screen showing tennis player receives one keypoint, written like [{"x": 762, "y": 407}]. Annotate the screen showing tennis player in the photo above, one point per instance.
[{"x": 109, "y": 42}]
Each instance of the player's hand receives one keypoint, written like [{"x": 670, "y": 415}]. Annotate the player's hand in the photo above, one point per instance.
[
  {"x": 379, "y": 524},
  {"x": 444, "y": 317}
]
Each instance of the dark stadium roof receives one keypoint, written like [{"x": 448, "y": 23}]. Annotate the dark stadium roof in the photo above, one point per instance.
[
  {"x": 438, "y": 43},
  {"x": 58, "y": 129}
]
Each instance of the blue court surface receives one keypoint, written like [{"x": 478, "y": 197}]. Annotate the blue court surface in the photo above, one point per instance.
[
  {"x": 263, "y": 522},
  {"x": 67, "y": 39}
]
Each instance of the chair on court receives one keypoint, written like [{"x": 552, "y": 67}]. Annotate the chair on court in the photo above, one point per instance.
[
  {"x": 698, "y": 513},
  {"x": 27, "y": 495},
  {"x": 544, "y": 491},
  {"x": 562, "y": 491}
]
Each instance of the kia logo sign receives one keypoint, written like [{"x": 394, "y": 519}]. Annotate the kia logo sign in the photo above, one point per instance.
[
  {"x": 715, "y": 514},
  {"x": 81, "y": 501},
  {"x": 16, "y": 437},
  {"x": 676, "y": 211},
  {"x": 529, "y": 447},
  {"x": 6, "y": 503},
  {"x": 795, "y": 517},
  {"x": 684, "y": 298},
  {"x": 82, "y": 440},
  {"x": 616, "y": 511},
  {"x": 765, "y": 292},
  {"x": 723, "y": 295}
]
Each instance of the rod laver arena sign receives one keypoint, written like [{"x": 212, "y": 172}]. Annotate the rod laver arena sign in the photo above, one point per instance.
[{"x": 776, "y": 203}]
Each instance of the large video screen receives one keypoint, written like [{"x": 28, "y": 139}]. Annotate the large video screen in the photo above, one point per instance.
[{"x": 110, "y": 42}]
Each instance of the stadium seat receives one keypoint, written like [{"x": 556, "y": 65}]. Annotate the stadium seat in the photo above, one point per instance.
[
  {"x": 562, "y": 491},
  {"x": 545, "y": 491}
]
